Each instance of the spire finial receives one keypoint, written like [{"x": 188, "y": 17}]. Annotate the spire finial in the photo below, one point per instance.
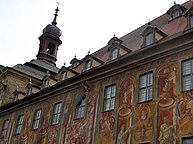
[
  {"x": 64, "y": 63},
  {"x": 114, "y": 35},
  {"x": 89, "y": 52},
  {"x": 56, "y": 14},
  {"x": 75, "y": 56},
  {"x": 149, "y": 22},
  {"x": 174, "y": 2}
]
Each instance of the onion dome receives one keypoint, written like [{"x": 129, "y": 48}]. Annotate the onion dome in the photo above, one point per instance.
[{"x": 52, "y": 28}]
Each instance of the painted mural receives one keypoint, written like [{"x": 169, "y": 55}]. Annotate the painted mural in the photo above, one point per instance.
[
  {"x": 126, "y": 93},
  {"x": 185, "y": 109},
  {"x": 167, "y": 111},
  {"x": 80, "y": 131}
]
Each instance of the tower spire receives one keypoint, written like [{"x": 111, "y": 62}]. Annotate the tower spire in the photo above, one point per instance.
[{"x": 55, "y": 16}]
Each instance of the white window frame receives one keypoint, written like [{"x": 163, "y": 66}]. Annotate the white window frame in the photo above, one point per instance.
[
  {"x": 149, "y": 38},
  {"x": 19, "y": 124},
  {"x": 187, "y": 140},
  {"x": 56, "y": 113},
  {"x": 5, "y": 127},
  {"x": 80, "y": 108},
  {"x": 187, "y": 74},
  {"x": 114, "y": 53},
  {"x": 109, "y": 98},
  {"x": 36, "y": 119},
  {"x": 145, "y": 87}
]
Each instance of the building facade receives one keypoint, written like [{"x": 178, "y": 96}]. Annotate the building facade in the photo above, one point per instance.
[{"x": 138, "y": 89}]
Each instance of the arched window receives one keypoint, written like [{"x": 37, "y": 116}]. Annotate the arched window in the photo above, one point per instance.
[
  {"x": 51, "y": 48},
  {"x": 175, "y": 14}
]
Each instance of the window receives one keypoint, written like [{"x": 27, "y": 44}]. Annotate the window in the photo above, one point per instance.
[
  {"x": 145, "y": 87},
  {"x": 187, "y": 74},
  {"x": 187, "y": 140},
  {"x": 175, "y": 14},
  {"x": 191, "y": 21},
  {"x": 109, "y": 98},
  {"x": 88, "y": 65},
  {"x": 149, "y": 38},
  {"x": 63, "y": 75},
  {"x": 36, "y": 119},
  {"x": 45, "y": 83},
  {"x": 114, "y": 53},
  {"x": 19, "y": 124},
  {"x": 29, "y": 90},
  {"x": 4, "y": 128},
  {"x": 50, "y": 49},
  {"x": 80, "y": 108},
  {"x": 15, "y": 95},
  {"x": 56, "y": 113}
]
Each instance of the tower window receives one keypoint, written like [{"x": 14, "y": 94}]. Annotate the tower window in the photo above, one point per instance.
[
  {"x": 80, "y": 108},
  {"x": 114, "y": 53},
  {"x": 149, "y": 38},
  {"x": 29, "y": 90},
  {"x": 63, "y": 75},
  {"x": 50, "y": 49}
]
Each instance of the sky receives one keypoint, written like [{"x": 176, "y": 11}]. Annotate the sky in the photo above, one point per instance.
[{"x": 87, "y": 25}]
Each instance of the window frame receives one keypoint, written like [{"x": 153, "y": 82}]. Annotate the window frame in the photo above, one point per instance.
[
  {"x": 186, "y": 75},
  {"x": 88, "y": 64},
  {"x": 80, "y": 108},
  {"x": 108, "y": 100},
  {"x": 36, "y": 120},
  {"x": 152, "y": 40},
  {"x": 56, "y": 114},
  {"x": 114, "y": 55},
  {"x": 186, "y": 138},
  {"x": 4, "y": 129},
  {"x": 19, "y": 124},
  {"x": 190, "y": 21},
  {"x": 148, "y": 87}
]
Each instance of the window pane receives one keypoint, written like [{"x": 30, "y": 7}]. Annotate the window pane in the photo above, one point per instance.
[
  {"x": 109, "y": 98},
  {"x": 19, "y": 124},
  {"x": 187, "y": 141},
  {"x": 149, "y": 39},
  {"x": 191, "y": 21},
  {"x": 145, "y": 92},
  {"x": 187, "y": 83},
  {"x": 56, "y": 113},
  {"x": 187, "y": 67},
  {"x": 4, "y": 128},
  {"x": 114, "y": 54}
]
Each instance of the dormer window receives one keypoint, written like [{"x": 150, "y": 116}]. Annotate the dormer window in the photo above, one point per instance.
[
  {"x": 152, "y": 35},
  {"x": 114, "y": 53},
  {"x": 149, "y": 38},
  {"x": 176, "y": 11},
  {"x": 175, "y": 14},
  {"x": 29, "y": 90},
  {"x": 63, "y": 75},
  {"x": 15, "y": 95},
  {"x": 191, "y": 21},
  {"x": 88, "y": 64}
]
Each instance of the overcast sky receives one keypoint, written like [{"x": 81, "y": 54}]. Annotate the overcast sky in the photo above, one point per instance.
[{"x": 85, "y": 24}]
